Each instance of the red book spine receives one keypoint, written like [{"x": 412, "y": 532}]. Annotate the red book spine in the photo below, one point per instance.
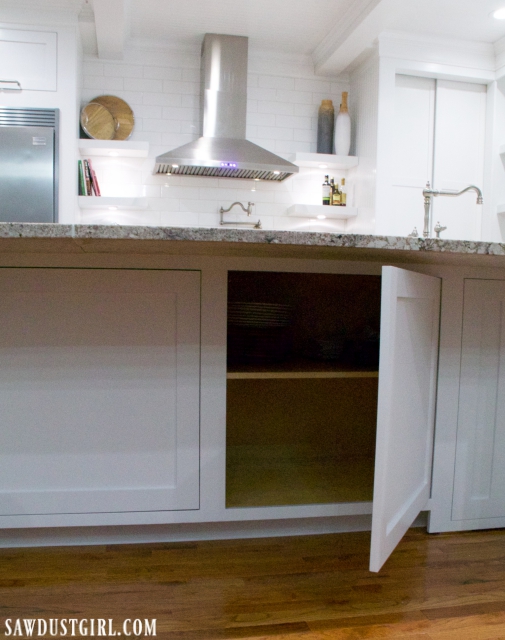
[{"x": 94, "y": 181}]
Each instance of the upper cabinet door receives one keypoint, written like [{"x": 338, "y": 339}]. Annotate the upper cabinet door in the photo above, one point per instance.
[
  {"x": 28, "y": 58},
  {"x": 406, "y": 406}
]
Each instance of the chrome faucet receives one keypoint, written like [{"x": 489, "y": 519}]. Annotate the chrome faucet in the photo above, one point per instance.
[
  {"x": 247, "y": 210},
  {"x": 428, "y": 194}
]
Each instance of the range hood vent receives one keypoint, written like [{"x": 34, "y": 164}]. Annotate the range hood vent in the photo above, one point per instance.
[{"x": 223, "y": 151}]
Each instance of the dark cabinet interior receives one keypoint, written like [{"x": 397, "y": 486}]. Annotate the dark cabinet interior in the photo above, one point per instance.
[{"x": 301, "y": 388}]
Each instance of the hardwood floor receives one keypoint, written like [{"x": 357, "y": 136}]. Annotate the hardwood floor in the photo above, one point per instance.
[{"x": 434, "y": 587}]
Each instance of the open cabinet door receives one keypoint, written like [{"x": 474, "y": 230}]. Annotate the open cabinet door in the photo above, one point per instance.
[{"x": 410, "y": 310}]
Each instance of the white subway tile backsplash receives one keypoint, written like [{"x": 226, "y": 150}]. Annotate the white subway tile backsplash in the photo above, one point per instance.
[
  {"x": 191, "y": 75},
  {"x": 179, "y": 219},
  {"x": 307, "y": 110},
  {"x": 276, "y": 82},
  {"x": 93, "y": 82},
  {"x": 163, "y": 89},
  {"x": 258, "y": 93},
  {"x": 276, "y": 133},
  {"x": 122, "y": 70},
  {"x": 261, "y": 119},
  {"x": 179, "y": 86},
  {"x": 297, "y": 122},
  {"x": 143, "y": 84},
  {"x": 162, "y": 73},
  {"x": 160, "y": 125},
  {"x": 276, "y": 108},
  {"x": 180, "y": 113},
  {"x": 92, "y": 68},
  {"x": 306, "y": 84},
  {"x": 162, "y": 99},
  {"x": 294, "y": 97},
  {"x": 110, "y": 85}
]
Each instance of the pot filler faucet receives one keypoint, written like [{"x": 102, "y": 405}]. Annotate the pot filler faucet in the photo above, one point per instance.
[{"x": 428, "y": 194}]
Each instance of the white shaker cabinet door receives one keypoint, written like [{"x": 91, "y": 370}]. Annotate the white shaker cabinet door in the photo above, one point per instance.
[
  {"x": 99, "y": 390},
  {"x": 479, "y": 482},
  {"x": 28, "y": 60},
  {"x": 410, "y": 311}
]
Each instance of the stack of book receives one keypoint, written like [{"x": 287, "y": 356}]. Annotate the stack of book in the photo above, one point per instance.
[{"x": 88, "y": 184}]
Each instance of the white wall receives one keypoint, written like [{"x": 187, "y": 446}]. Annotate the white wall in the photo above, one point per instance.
[
  {"x": 162, "y": 87},
  {"x": 364, "y": 109}
]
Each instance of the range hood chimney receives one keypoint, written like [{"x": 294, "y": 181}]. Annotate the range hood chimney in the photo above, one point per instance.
[{"x": 223, "y": 150}]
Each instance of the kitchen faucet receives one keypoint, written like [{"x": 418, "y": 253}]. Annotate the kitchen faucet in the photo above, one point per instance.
[
  {"x": 247, "y": 210},
  {"x": 428, "y": 194}
]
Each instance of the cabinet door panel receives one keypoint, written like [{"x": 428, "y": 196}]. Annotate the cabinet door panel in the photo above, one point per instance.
[
  {"x": 28, "y": 57},
  {"x": 479, "y": 480},
  {"x": 99, "y": 390},
  {"x": 410, "y": 311}
]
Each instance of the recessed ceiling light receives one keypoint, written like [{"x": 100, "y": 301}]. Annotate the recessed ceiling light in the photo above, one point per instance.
[
  {"x": 323, "y": 166},
  {"x": 277, "y": 173},
  {"x": 112, "y": 208},
  {"x": 113, "y": 153},
  {"x": 175, "y": 166},
  {"x": 499, "y": 14},
  {"x": 321, "y": 217}
]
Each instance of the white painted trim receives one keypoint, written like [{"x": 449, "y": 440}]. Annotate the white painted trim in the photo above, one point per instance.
[
  {"x": 347, "y": 23},
  {"x": 110, "y": 24}
]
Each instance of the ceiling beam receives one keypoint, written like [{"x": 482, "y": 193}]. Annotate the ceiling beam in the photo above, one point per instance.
[
  {"x": 110, "y": 25},
  {"x": 336, "y": 51}
]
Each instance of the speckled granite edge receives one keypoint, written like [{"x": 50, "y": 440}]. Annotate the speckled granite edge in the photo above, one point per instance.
[{"x": 82, "y": 233}]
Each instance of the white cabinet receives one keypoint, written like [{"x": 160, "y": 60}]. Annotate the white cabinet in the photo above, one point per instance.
[
  {"x": 99, "y": 391},
  {"x": 480, "y": 449},
  {"x": 28, "y": 60},
  {"x": 299, "y": 432}
]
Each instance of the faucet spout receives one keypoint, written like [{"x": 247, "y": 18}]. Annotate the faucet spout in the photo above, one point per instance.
[{"x": 429, "y": 193}]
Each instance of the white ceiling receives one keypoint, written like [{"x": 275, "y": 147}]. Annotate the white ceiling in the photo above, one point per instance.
[{"x": 333, "y": 32}]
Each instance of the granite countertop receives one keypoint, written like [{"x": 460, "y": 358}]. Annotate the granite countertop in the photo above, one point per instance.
[{"x": 33, "y": 237}]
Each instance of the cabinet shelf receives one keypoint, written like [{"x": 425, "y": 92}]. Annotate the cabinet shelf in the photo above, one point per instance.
[
  {"x": 113, "y": 148},
  {"x": 324, "y": 161},
  {"x": 107, "y": 202},
  {"x": 315, "y": 210},
  {"x": 298, "y": 370}
]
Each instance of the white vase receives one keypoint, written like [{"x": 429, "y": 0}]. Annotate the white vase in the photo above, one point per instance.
[{"x": 343, "y": 129}]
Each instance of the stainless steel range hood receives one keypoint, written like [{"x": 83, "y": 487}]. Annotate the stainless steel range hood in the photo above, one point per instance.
[{"x": 223, "y": 150}]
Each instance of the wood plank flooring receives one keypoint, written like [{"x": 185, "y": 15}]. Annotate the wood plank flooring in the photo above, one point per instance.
[{"x": 434, "y": 587}]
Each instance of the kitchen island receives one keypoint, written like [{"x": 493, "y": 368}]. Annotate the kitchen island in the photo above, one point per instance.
[{"x": 89, "y": 303}]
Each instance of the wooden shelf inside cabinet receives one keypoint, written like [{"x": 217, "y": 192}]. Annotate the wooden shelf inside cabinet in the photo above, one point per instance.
[
  {"x": 107, "y": 202},
  {"x": 298, "y": 370},
  {"x": 324, "y": 161},
  {"x": 315, "y": 210},
  {"x": 113, "y": 148}
]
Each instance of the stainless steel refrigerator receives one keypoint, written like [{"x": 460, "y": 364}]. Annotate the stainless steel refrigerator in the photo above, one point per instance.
[{"x": 28, "y": 165}]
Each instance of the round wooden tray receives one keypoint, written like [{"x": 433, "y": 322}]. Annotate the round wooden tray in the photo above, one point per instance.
[
  {"x": 122, "y": 114},
  {"x": 98, "y": 122}
]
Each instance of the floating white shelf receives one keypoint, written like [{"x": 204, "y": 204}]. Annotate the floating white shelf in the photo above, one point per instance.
[
  {"x": 113, "y": 148},
  {"x": 107, "y": 202},
  {"x": 314, "y": 210},
  {"x": 502, "y": 149},
  {"x": 324, "y": 161},
  {"x": 500, "y": 209}
]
